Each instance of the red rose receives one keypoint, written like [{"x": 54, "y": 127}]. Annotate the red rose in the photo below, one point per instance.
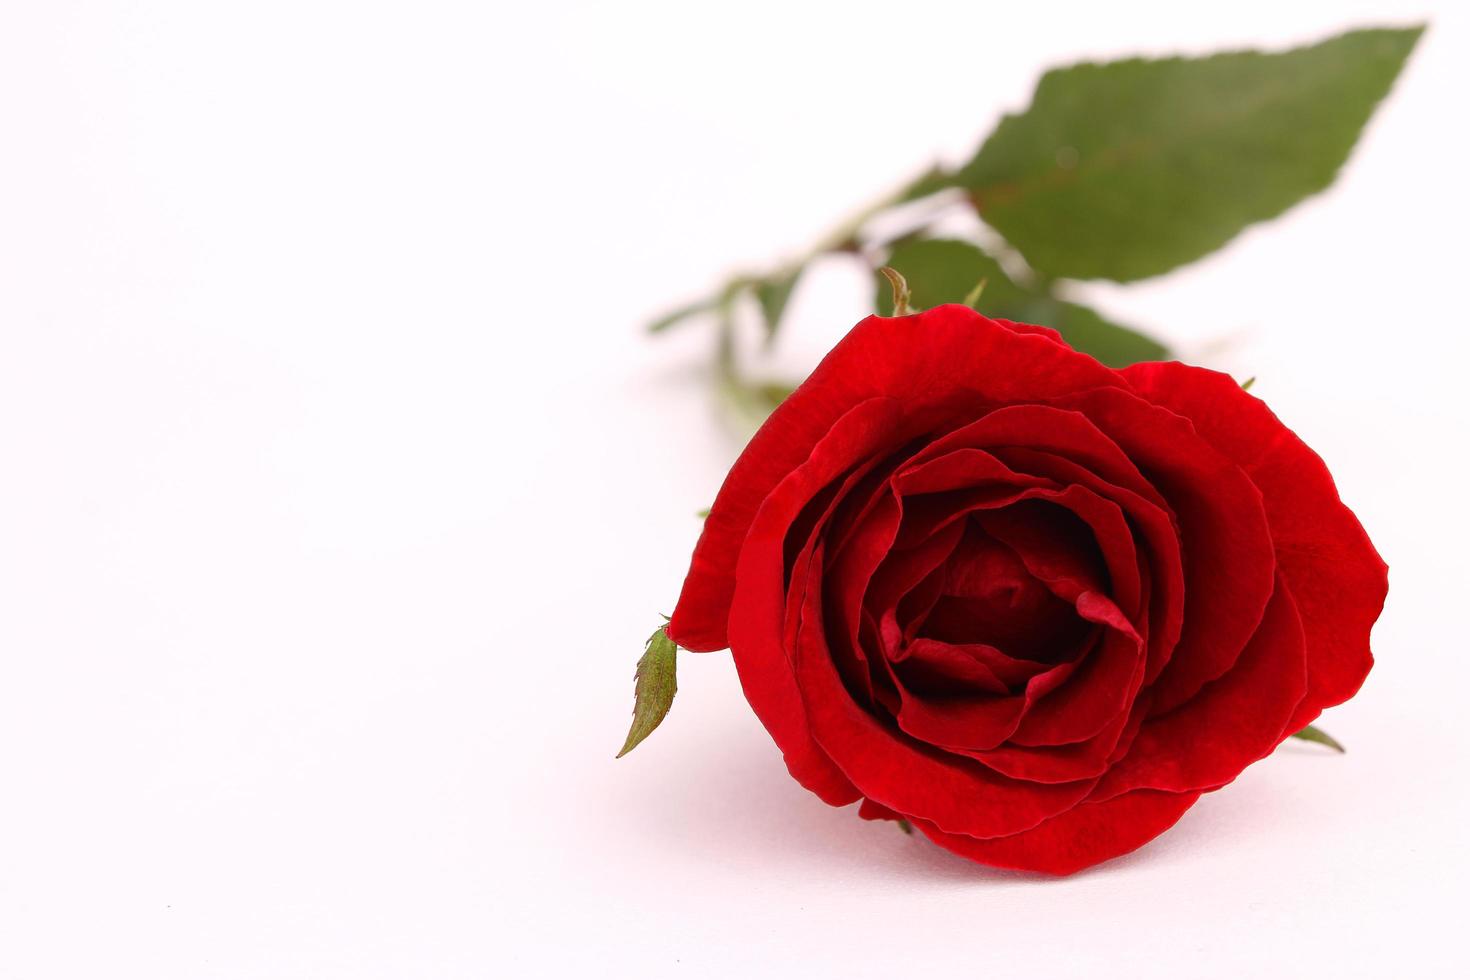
[{"x": 1033, "y": 605}]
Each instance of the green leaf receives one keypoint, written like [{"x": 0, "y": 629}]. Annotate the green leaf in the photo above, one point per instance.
[
  {"x": 1128, "y": 169},
  {"x": 1314, "y": 734},
  {"x": 1087, "y": 330},
  {"x": 773, "y": 294},
  {"x": 942, "y": 271},
  {"x": 653, "y": 688}
]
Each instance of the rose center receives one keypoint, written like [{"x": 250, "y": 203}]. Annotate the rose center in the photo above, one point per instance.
[{"x": 989, "y": 597}]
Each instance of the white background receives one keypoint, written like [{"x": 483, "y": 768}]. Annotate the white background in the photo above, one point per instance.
[{"x": 339, "y": 490}]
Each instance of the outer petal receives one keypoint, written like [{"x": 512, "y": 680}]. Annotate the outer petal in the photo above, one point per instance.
[
  {"x": 1234, "y": 721},
  {"x": 758, "y": 632},
  {"x": 925, "y": 360},
  {"x": 869, "y": 810},
  {"x": 1332, "y": 569},
  {"x": 1083, "y": 836}
]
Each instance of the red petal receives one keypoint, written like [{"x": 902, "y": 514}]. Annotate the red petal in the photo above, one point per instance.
[
  {"x": 1335, "y": 575},
  {"x": 1102, "y": 688},
  {"x": 1056, "y": 547},
  {"x": 1083, "y": 836},
  {"x": 1064, "y": 763},
  {"x": 962, "y": 469},
  {"x": 905, "y": 568},
  {"x": 991, "y": 662},
  {"x": 869, "y": 810},
  {"x": 1231, "y": 723},
  {"x": 757, "y": 634},
  {"x": 1162, "y": 586},
  {"x": 1229, "y": 561},
  {"x": 974, "y": 722}
]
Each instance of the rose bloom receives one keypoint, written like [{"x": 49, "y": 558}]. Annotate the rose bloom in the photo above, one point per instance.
[{"x": 1033, "y": 605}]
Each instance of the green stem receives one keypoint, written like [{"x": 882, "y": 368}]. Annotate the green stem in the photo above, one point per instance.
[
  {"x": 844, "y": 237},
  {"x": 745, "y": 400}
]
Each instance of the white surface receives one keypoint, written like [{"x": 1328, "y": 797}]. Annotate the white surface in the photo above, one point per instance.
[{"x": 340, "y": 491}]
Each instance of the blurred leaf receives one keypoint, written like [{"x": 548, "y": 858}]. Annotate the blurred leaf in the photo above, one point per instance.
[
  {"x": 946, "y": 271},
  {"x": 773, "y": 294},
  {"x": 749, "y": 403},
  {"x": 1313, "y": 734},
  {"x": 931, "y": 182},
  {"x": 775, "y": 392},
  {"x": 653, "y": 688},
  {"x": 683, "y": 313},
  {"x": 1128, "y": 169}
]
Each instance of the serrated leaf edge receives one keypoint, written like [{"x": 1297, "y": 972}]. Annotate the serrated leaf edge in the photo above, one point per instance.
[{"x": 654, "y": 685}]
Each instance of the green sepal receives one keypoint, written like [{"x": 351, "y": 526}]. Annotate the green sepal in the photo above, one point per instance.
[
  {"x": 1314, "y": 734},
  {"x": 654, "y": 686}
]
